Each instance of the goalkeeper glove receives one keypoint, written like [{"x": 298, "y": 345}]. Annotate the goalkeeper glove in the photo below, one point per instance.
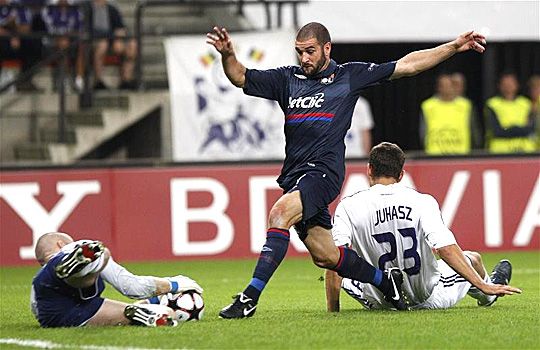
[{"x": 181, "y": 284}]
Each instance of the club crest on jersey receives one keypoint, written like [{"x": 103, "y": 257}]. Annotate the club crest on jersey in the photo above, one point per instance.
[
  {"x": 327, "y": 80},
  {"x": 307, "y": 102}
]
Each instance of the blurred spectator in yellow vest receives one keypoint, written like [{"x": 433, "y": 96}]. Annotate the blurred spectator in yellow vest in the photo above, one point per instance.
[
  {"x": 534, "y": 94},
  {"x": 459, "y": 83},
  {"x": 447, "y": 122},
  {"x": 510, "y": 125}
]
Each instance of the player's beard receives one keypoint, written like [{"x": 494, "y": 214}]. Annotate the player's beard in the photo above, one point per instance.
[{"x": 317, "y": 68}]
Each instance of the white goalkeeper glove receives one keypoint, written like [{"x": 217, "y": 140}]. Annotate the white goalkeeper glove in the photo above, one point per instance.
[{"x": 181, "y": 284}]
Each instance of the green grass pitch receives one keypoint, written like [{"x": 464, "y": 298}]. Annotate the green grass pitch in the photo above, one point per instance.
[{"x": 291, "y": 314}]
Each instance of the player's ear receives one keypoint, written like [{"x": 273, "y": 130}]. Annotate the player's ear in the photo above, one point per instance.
[
  {"x": 327, "y": 48},
  {"x": 401, "y": 175},
  {"x": 60, "y": 243}
]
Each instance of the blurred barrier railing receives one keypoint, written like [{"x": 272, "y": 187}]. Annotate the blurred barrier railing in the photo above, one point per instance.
[{"x": 203, "y": 4}]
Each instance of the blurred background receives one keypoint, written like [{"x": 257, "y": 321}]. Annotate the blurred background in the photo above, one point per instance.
[
  {"x": 120, "y": 93},
  {"x": 68, "y": 67}
]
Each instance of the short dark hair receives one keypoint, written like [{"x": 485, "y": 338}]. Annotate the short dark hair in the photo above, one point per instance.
[
  {"x": 314, "y": 30},
  {"x": 386, "y": 160}
]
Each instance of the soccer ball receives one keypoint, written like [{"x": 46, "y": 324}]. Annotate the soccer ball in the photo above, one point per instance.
[{"x": 187, "y": 306}]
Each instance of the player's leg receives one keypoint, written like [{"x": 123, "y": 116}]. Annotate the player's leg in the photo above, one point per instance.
[
  {"x": 501, "y": 275},
  {"x": 348, "y": 264},
  {"x": 284, "y": 213},
  {"x": 112, "y": 313},
  {"x": 451, "y": 288},
  {"x": 356, "y": 290},
  {"x": 317, "y": 190}
]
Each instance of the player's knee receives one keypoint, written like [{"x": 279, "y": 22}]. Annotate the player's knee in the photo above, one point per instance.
[
  {"x": 278, "y": 217},
  {"x": 475, "y": 257},
  {"x": 323, "y": 263}
]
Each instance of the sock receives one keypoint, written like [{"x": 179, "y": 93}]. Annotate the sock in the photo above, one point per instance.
[
  {"x": 483, "y": 299},
  {"x": 273, "y": 252},
  {"x": 350, "y": 265}
]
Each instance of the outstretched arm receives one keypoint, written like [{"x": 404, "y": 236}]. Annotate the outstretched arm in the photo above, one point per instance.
[
  {"x": 234, "y": 70},
  {"x": 454, "y": 257},
  {"x": 142, "y": 287},
  {"x": 418, "y": 61}
]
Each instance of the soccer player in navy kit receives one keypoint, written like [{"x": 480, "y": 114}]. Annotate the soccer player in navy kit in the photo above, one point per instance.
[
  {"x": 66, "y": 291},
  {"x": 318, "y": 99}
]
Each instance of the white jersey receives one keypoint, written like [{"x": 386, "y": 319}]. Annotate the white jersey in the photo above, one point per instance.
[{"x": 394, "y": 226}]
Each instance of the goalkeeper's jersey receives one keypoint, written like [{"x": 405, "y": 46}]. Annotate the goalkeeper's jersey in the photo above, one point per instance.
[
  {"x": 55, "y": 303},
  {"x": 394, "y": 226}
]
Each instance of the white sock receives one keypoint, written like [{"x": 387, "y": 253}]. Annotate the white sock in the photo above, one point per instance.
[{"x": 483, "y": 299}]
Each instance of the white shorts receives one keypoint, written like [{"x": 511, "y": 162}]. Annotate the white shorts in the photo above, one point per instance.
[
  {"x": 450, "y": 289},
  {"x": 448, "y": 292}
]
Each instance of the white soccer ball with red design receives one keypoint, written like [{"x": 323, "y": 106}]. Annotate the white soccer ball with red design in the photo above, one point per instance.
[{"x": 187, "y": 306}]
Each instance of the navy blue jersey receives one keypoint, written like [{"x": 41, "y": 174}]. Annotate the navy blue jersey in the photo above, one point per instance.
[
  {"x": 56, "y": 303},
  {"x": 318, "y": 112}
]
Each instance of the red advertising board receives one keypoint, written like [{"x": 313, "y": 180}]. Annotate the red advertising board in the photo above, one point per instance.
[{"x": 221, "y": 211}]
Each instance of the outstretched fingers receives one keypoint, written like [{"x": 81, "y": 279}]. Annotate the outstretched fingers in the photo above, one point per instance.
[
  {"x": 211, "y": 38},
  {"x": 219, "y": 38},
  {"x": 477, "y": 41},
  {"x": 508, "y": 290}
]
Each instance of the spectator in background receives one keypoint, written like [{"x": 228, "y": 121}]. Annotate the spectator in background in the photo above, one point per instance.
[
  {"x": 358, "y": 139},
  {"x": 534, "y": 94},
  {"x": 15, "y": 22},
  {"x": 510, "y": 125},
  {"x": 64, "y": 21},
  {"x": 460, "y": 85},
  {"x": 111, "y": 33},
  {"x": 447, "y": 121}
]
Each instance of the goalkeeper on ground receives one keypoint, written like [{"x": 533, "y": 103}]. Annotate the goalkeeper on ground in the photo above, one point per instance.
[{"x": 66, "y": 291}]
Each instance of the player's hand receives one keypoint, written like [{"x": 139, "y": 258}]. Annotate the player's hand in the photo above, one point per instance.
[
  {"x": 470, "y": 41},
  {"x": 499, "y": 289},
  {"x": 185, "y": 284},
  {"x": 220, "y": 39}
]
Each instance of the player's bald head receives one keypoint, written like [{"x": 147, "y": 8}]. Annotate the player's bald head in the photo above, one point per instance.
[
  {"x": 386, "y": 160},
  {"x": 50, "y": 243},
  {"x": 314, "y": 30}
]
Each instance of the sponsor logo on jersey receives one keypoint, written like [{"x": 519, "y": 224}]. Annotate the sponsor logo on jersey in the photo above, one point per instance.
[
  {"x": 307, "y": 102},
  {"x": 327, "y": 80}
]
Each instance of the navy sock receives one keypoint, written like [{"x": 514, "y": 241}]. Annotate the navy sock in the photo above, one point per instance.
[
  {"x": 352, "y": 266},
  {"x": 273, "y": 252}
]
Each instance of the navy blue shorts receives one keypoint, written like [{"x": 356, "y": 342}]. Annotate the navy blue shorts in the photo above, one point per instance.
[
  {"x": 68, "y": 313},
  {"x": 317, "y": 191}
]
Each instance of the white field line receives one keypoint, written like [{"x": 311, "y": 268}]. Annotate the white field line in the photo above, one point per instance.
[{"x": 45, "y": 344}]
